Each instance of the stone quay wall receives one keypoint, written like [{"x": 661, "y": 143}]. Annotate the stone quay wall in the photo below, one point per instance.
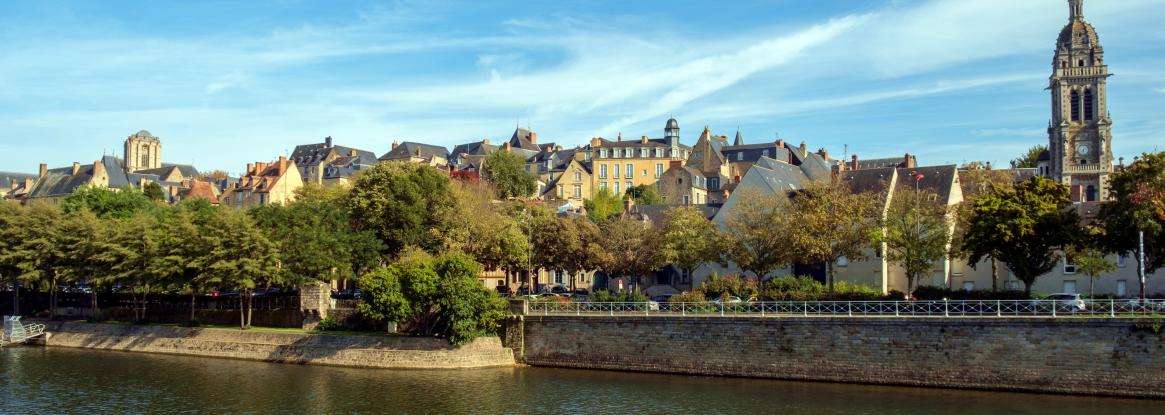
[
  {"x": 370, "y": 351},
  {"x": 1114, "y": 357}
]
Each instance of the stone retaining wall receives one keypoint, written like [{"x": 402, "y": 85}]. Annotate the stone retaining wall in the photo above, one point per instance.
[
  {"x": 320, "y": 349},
  {"x": 1080, "y": 356}
]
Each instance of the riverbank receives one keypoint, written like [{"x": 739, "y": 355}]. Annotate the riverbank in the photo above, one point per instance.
[{"x": 283, "y": 346}]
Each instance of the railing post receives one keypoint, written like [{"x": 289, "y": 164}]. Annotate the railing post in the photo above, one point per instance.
[
  {"x": 1054, "y": 308},
  {"x": 684, "y": 309},
  {"x": 896, "y": 310},
  {"x": 849, "y": 308},
  {"x": 998, "y": 308},
  {"x": 946, "y": 307},
  {"x": 611, "y": 308},
  {"x": 1111, "y": 307},
  {"x": 722, "y": 309},
  {"x": 762, "y": 309}
]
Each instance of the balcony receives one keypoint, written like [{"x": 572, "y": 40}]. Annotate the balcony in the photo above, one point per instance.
[
  {"x": 1082, "y": 71},
  {"x": 1085, "y": 168}
]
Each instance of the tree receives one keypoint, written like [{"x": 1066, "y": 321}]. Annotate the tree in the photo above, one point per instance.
[
  {"x": 41, "y": 254},
  {"x": 107, "y": 203},
  {"x": 644, "y": 194},
  {"x": 603, "y": 205},
  {"x": 688, "y": 239},
  {"x": 1030, "y": 158},
  {"x": 1137, "y": 206},
  {"x": 428, "y": 295},
  {"x": 244, "y": 259},
  {"x": 1091, "y": 262},
  {"x": 570, "y": 244},
  {"x": 977, "y": 181},
  {"x": 507, "y": 171},
  {"x": 916, "y": 233},
  {"x": 828, "y": 221},
  {"x": 154, "y": 192},
  {"x": 1024, "y": 227},
  {"x": 629, "y": 248},
  {"x": 10, "y": 239},
  {"x": 134, "y": 252},
  {"x": 753, "y": 233},
  {"x": 480, "y": 229},
  {"x": 314, "y": 237},
  {"x": 404, "y": 204}
]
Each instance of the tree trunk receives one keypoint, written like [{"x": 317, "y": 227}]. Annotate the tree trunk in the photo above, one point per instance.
[
  {"x": 994, "y": 275},
  {"x": 242, "y": 313},
  {"x": 250, "y": 307},
  {"x": 829, "y": 274},
  {"x": 530, "y": 288},
  {"x": 16, "y": 298},
  {"x": 193, "y": 292},
  {"x": 53, "y": 299},
  {"x": 95, "y": 311}
]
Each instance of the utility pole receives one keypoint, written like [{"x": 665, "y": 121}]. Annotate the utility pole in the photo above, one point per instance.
[{"x": 1141, "y": 261}]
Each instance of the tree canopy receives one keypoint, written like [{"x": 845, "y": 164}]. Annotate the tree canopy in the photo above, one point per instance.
[
  {"x": 603, "y": 205},
  {"x": 404, "y": 204},
  {"x": 916, "y": 233},
  {"x": 1030, "y": 158},
  {"x": 507, "y": 171},
  {"x": 644, "y": 194}
]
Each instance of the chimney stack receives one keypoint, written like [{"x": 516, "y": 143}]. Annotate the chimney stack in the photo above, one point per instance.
[
  {"x": 533, "y": 137},
  {"x": 76, "y": 167},
  {"x": 395, "y": 144},
  {"x": 44, "y": 169},
  {"x": 328, "y": 142},
  {"x": 823, "y": 153},
  {"x": 643, "y": 140},
  {"x": 908, "y": 161},
  {"x": 250, "y": 168},
  {"x": 854, "y": 159},
  {"x": 98, "y": 168},
  {"x": 485, "y": 141},
  {"x": 780, "y": 143}
]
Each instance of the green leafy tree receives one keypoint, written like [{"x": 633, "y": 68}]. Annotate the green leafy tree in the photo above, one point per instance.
[
  {"x": 644, "y": 195},
  {"x": 404, "y": 204},
  {"x": 603, "y": 205},
  {"x": 243, "y": 260},
  {"x": 507, "y": 171},
  {"x": 314, "y": 237},
  {"x": 828, "y": 221},
  {"x": 1091, "y": 262},
  {"x": 154, "y": 192},
  {"x": 976, "y": 181},
  {"x": 10, "y": 239},
  {"x": 568, "y": 244},
  {"x": 916, "y": 232},
  {"x": 754, "y": 232},
  {"x": 1030, "y": 158},
  {"x": 629, "y": 248},
  {"x": 134, "y": 250},
  {"x": 41, "y": 253},
  {"x": 428, "y": 295},
  {"x": 482, "y": 230},
  {"x": 687, "y": 239},
  {"x": 1137, "y": 206},
  {"x": 1025, "y": 228},
  {"x": 107, "y": 203}
]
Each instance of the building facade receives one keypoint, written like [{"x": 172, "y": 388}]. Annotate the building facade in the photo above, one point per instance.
[
  {"x": 621, "y": 164},
  {"x": 264, "y": 183}
]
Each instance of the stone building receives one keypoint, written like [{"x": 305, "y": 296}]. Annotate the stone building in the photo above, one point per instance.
[
  {"x": 414, "y": 152},
  {"x": 15, "y": 186},
  {"x": 326, "y": 164},
  {"x": 1080, "y": 131},
  {"x": 264, "y": 183},
  {"x": 621, "y": 164},
  {"x": 143, "y": 151}
]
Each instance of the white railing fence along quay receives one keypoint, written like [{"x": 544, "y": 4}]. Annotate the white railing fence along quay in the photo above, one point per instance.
[{"x": 939, "y": 308}]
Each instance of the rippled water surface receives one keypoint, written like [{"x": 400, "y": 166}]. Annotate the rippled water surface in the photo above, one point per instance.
[{"x": 56, "y": 380}]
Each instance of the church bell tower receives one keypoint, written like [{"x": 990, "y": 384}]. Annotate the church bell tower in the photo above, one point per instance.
[
  {"x": 143, "y": 151},
  {"x": 1080, "y": 132}
]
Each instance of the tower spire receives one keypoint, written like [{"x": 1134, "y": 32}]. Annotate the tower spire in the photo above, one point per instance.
[{"x": 1076, "y": 9}]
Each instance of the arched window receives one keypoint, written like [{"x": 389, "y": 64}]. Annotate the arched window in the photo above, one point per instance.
[
  {"x": 1075, "y": 99},
  {"x": 1089, "y": 106}
]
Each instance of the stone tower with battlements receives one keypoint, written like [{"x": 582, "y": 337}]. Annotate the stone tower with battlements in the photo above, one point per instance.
[
  {"x": 142, "y": 151},
  {"x": 1080, "y": 131}
]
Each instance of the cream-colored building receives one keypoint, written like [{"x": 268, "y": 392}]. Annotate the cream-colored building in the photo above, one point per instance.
[
  {"x": 264, "y": 183},
  {"x": 621, "y": 164}
]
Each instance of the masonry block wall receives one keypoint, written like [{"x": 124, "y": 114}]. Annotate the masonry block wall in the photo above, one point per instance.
[{"x": 1090, "y": 356}]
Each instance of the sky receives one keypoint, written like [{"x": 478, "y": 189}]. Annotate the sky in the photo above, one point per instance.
[{"x": 226, "y": 83}]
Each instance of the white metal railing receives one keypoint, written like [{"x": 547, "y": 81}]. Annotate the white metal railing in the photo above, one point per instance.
[{"x": 939, "y": 308}]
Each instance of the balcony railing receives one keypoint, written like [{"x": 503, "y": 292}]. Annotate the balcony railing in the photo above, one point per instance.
[
  {"x": 962, "y": 308},
  {"x": 1083, "y": 71},
  {"x": 1085, "y": 168}
]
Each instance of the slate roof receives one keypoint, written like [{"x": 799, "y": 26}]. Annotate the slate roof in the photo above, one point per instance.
[
  {"x": 750, "y": 153},
  {"x": 7, "y": 178},
  {"x": 410, "y": 149},
  {"x": 651, "y": 142},
  {"x": 479, "y": 148},
  {"x": 61, "y": 181},
  {"x": 937, "y": 179},
  {"x": 524, "y": 139},
  {"x": 882, "y": 162},
  {"x": 307, "y": 155},
  {"x": 187, "y": 171}
]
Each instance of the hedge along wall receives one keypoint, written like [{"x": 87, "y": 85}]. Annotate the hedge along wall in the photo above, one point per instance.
[{"x": 1118, "y": 357}]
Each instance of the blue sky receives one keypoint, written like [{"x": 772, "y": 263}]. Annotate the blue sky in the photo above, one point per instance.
[{"x": 226, "y": 83}]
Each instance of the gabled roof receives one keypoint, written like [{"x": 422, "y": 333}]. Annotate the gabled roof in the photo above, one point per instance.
[
  {"x": 651, "y": 142},
  {"x": 937, "y": 179},
  {"x": 409, "y": 149},
  {"x": 307, "y": 155},
  {"x": 7, "y": 178},
  {"x": 524, "y": 139}
]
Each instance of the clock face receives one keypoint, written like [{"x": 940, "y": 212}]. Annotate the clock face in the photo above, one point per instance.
[{"x": 1082, "y": 149}]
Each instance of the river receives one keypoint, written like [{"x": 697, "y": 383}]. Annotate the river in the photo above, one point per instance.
[{"x": 58, "y": 380}]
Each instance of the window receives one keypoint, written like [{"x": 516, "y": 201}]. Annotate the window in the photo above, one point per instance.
[
  {"x": 1088, "y": 105},
  {"x": 1069, "y": 267},
  {"x": 739, "y": 155},
  {"x": 968, "y": 285},
  {"x": 765, "y": 153},
  {"x": 630, "y": 171},
  {"x": 1080, "y": 62},
  {"x": 1069, "y": 287},
  {"x": 577, "y": 176},
  {"x": 1013, "y": 285},
  {"x": 658, "y": 170},
  {"x": 578, "y": 191},
  {"x": 687, "y": 200},
  {"x": 1122, "y": 261},
  {"x": 1122, "y": 288},
  {"x": 602, "y": 185},
  {"x": 629, "y": 185},
  {"x": 556, "y": 277},
  {"x": 1075, "y": 98},
  {"x": 560, "y": 191},
  {"x": 615, "y": 167},
  {"x": 602, "y": 171},
  {"x": 714, "y": 183},
  {"x": 617, "y": 188}
]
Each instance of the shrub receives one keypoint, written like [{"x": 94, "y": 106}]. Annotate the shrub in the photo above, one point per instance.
[
  {"x": 604, "y": 296},
  {"x": 722, "y": 287},
  {"x": 808, "y": 289},
  {"x": 329, "y": 323},
  {"x": 694, "y": 296}
]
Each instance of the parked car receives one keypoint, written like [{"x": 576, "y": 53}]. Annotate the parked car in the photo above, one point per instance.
[
  {"x": 731, "y": 300},
  {"x": 558, "y": 289},
  {"x": 1068, "y": 302},
  {"x": 663, "y": 298}
]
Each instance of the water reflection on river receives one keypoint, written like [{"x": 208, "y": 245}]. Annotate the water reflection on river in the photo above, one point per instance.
[{"x": 54, "y": 380}]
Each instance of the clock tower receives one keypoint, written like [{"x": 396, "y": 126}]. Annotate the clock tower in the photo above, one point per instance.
[{"x": 1080, "y": 132}]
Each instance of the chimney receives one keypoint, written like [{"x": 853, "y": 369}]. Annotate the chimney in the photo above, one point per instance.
[
  {"x": 643, "y": 140},
  {"x": 595, "y": 142},
  {"x": 823, "y": 153},
  {"x": 533, "y": 137},
  {"x": 780, "y": 143},
  {"x": 803, "y": 148},
  {"x": 989, "y": 165},
  {"x": 675, "y": 163},
  {"x": 282, "y": 165},
  {"x": 352, "y": 152},
  {"x": 908, "y": 161},
  {"x": 854, "y": 165},
  {"x": 98, "y": 168},
  {"x": 485, "y": 141},
  {"x": 395, "y": 144},
  {"x": 44, "y": 169},
  {"x": 250, "y": 168},
  {"x": 76, "y": 167},
  {"x": 328, "y": 142}
]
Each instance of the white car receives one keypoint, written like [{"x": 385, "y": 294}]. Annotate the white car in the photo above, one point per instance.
[{"x": 1068, "y": 302}]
